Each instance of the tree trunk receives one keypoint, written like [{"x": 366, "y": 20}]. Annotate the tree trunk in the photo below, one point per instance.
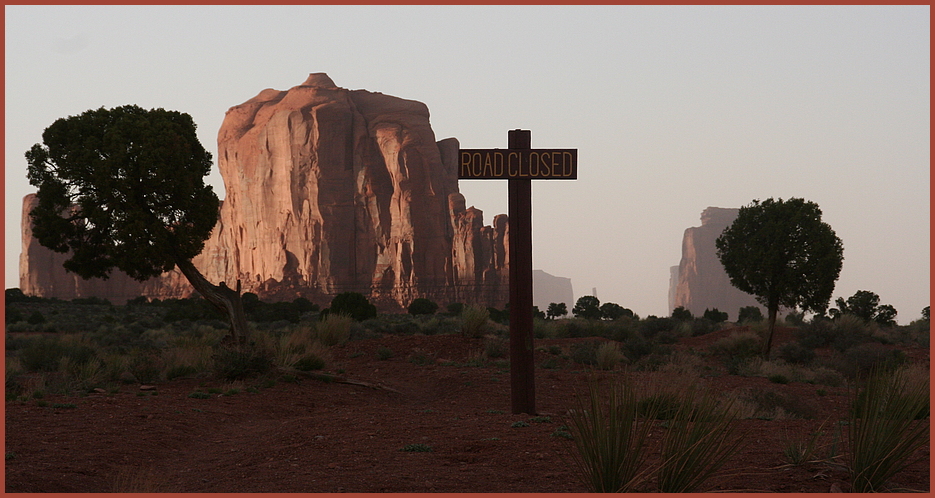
[
  {"x": 222, "y": 297},
  {"x": 773, "y": 309}
]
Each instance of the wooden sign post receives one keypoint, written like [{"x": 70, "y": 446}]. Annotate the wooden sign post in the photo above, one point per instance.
[{"x": 519, "y": 164}]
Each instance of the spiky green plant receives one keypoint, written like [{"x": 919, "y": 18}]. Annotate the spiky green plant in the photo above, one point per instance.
[
  {"x": 884, "y": 430},
  {"x": 699, "y": 439},
  {"x": 610, "y": 437}
]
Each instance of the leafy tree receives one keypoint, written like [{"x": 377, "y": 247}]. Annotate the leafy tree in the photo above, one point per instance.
[
  {"x": 587, "y": 307},
  {"x": 749, "y": 314},
  {"x": 124, "y": 188},
  {"x": 925, "y": 313},
  {"x": 536, "y": 313},
  {"x": 715, "y": 316},
  {"x": 613, "y": 311},
  {"x": 352, "y": 304},
  {"x": 865, "y": 305},
  {"x": 556, "y": 310},
  {"x": 680, "y": 313},
  {"x": 783, "y": 254},
  {"x": 422, "y": 306}
]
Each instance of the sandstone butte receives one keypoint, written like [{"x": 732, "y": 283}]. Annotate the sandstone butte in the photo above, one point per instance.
[
  {"x": 699, "y": 282},
  {"x": 328, "y": 190}
]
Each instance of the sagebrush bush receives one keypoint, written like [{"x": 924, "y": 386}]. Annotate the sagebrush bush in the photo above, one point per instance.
[
  {"x": 794, "y": 352},
  {"x": 861, "y": 359},
  {"x": 585, "y": 353}
]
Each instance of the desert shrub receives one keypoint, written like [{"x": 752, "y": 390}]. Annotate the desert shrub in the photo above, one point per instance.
[
  {"x": 13, "y": 316},
  {"x": 146, "y": 365},
  {"x": 793, "y": 352},
  {"x": 608, "y": 355},
  {"x": 545, "y": 329},
  {"x": 495, "y": 347},
  {"x": 636, "y": 347},
  {"x": 817, "y": 333},
  {"x": 651, "y": 325},
  {"x": 455, "y": 309},
  {"x": 499, "y": 316},
  {"x": 859, "y": 360},
  {"x": 702, "y": 326},
  {"x": 682, "y": 314},
  {"x": 749, "y": 314},
  {"x": 772, "y": 405},
  {"x": 422, "y": 306},
  {"x": 36, "y": 318},
  {"x": 238, "y": 362},
  {"x": 309, "y": 361},
  {"x": 352, "y": 304},
  {"x": 737, "y": 348},
  {"x": 715, "y": 316},
  {"x": 585, "y": 353},
  {"x": 884, "y": 430},
  {"x": 850, "y": 331},
  {"x": 43, "y": 354},
  {"x": 474, "y": 321},
  {"x": 333, "y": 329},
  {"x": 795, "y": 319}
]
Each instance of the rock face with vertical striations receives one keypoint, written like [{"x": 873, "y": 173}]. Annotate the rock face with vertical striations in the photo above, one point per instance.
[
  {"x": 700, "y": 282},
  {"x": 331, "y": 190}
]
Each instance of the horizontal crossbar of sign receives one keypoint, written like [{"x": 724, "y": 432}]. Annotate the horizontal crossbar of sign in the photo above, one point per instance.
[{"x": 504, "y": 164}]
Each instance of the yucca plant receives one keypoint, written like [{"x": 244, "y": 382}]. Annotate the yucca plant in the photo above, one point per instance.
[
  {"x": 885, "y": 427},
  {"x": 699, "y": 439},
  {"x": 610, "y": 438}
]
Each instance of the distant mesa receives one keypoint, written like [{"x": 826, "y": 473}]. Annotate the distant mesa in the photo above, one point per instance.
[
  {"x": 327, "y": 190},
  {"x": 548, "y": 289},
  {"x": 699, "y": 282}
]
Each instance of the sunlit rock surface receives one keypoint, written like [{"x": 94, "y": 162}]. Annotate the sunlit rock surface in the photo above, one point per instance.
[{"x": 328, "y": 190}]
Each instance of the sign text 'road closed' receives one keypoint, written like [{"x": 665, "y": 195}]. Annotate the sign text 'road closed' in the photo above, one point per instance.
[{"x": 505, "y": 164}]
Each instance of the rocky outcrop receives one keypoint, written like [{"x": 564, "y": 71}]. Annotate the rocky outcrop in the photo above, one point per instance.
[
  {"x": 700, "y": 282},
  {"x": 331, "y": 190}
]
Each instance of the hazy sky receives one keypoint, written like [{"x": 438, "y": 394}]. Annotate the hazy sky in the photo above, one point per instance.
[{"x": 672, "y": 109}]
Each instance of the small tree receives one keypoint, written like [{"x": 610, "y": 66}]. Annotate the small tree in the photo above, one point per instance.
[
  {"x": 124, "y": 188},
  {"x": 587, "y": 307},
  {"x": 422, "y": 306},
  {"x": 749, "y": 314},
  {"x": 680, "y": 313},
  {"x": 715, "y": 316},
  {"x": 613, "y": 311},
  {"x": 865, "y": 305},
  {"x": 556, "y": 310},
  {"x": 783, "y": 254}
]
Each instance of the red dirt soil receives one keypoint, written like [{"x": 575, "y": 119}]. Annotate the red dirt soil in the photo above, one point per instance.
[{"x": 313, "y": 436}]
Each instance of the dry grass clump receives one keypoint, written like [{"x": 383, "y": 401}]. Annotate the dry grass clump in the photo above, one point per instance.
[
  {"x": 474, "y": 321},
  {"x": 608, "y": 355},
  {"x": 334, "y": 329}
]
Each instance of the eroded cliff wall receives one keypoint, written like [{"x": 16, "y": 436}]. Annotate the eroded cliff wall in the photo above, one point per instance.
[
  {"x": 700, "y": 281},
  {"x": 331, "y": 190}
]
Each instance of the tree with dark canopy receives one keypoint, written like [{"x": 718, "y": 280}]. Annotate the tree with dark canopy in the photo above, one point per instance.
[
  {"x": 865, "y": 305},
  {"x": 783, "y": 254},
  {"x": 124, "y": 188}
]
